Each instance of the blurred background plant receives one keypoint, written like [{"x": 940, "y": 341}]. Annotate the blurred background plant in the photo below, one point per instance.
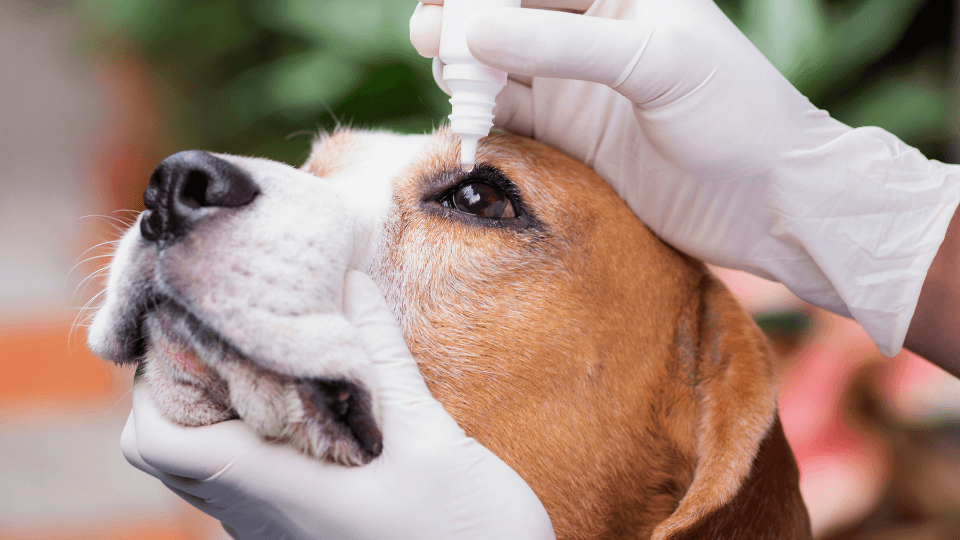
[
  {"x": 244, "y": 76},
  {"x": 108, "y": 88}
]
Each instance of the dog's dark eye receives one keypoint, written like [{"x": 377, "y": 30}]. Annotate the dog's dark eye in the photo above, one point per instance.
[{"x": 480, "y": 199}]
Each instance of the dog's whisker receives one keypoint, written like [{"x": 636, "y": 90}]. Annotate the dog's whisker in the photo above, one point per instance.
[
  {"x": 88, "y": 259},
  {"x": 298, "y": 134},
  {"x": 94, "y": 273},
  {"x": 80, "y": 313},
  {"x": 91, "y": 300},
  {"x": 91, "y": 258},
  {"x": 117, "y": 225},
  {"x": 84, "y": 310},
  {"x": 72, "y": 342},
  {"x": 108, "y": 218},
  {"x": 104, "y": 243},
  {"x": 333, "y": 115},
  {"x": 81, "y": 287}
]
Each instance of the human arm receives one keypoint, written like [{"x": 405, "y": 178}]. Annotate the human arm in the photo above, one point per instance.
[{"x": 934, "y": 331}]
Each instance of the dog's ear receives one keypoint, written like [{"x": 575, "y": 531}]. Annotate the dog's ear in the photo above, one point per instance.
[{"x": 746, "y": 481}]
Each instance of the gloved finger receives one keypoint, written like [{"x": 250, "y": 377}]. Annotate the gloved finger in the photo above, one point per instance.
[
  {"x": 409, "y": 410},
  {"x": 177, "y": 484},
  {"x": 525, "y": 80},
  {"x": 199, "y": 503},
  {"x": 558, "y": 45},
  {"x": 190, "y": 452},
  {"x": 514, "y": 110},
  {"x": 438, "y": 76},
  {"x": 128, "y": 445},
  {"x": 380, "y": 333},
  {"x": 426, "y": 19},
  {"x": 425, "y": 29}
]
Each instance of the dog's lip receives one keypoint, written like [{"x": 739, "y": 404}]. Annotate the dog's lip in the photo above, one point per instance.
[
  {"x": 202, "y": 337},
  {"x": 200, "y": 334}
]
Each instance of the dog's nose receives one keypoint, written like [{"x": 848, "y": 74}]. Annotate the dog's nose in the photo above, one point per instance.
[{"x": 187, "y": 186}]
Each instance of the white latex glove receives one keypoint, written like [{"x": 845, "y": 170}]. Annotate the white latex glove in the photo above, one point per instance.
[
  {"x": 431, "y": 481},
  {"x": 717, "y": 153}
]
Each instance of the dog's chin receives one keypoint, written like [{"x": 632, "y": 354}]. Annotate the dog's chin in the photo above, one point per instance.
[{"x": 198, "y": 378}]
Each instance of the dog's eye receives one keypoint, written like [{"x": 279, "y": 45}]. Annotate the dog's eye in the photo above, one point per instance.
[{"x": 480, "y": 199}]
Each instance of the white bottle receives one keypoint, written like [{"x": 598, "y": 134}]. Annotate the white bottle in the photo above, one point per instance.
[{"x": 473, "y": 86}]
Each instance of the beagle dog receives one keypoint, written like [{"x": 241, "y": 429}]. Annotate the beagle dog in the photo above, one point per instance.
[{"x": 616, "y": 375}]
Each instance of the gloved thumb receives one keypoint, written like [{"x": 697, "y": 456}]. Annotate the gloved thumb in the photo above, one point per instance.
[
  {"x": 407, "y": 405},
  {"x": 365, "y": 307},
  {"x": 556, "y": 44}
]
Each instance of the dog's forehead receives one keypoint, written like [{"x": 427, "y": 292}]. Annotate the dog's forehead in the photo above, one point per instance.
[
  {"x": 360, "y": 155},
  {"x": 361, "y": 168}
]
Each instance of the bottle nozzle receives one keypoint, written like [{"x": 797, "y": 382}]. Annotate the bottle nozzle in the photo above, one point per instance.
[{"x": 468, "y": 150}]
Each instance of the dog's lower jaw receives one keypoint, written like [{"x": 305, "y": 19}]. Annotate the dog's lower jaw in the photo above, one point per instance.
[
  {"x": 338, "y": 426},
  {"x": 329, "y": 419}
]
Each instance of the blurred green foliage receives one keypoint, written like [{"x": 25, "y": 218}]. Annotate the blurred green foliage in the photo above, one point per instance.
[{"x": 241, "y": 76}]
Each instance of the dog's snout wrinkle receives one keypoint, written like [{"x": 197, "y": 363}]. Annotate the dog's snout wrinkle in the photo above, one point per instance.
[{"x": 182, "y": 189}]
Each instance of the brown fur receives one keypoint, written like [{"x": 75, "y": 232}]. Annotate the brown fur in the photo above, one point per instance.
[{"x": 617, "y": 376}]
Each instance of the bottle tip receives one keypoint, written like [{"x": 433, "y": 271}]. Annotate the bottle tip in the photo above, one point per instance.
[{"x": 468, "y": 150}]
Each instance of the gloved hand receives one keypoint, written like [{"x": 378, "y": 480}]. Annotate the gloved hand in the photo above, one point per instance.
[
  {"x": 717, "y": 153},
  {"x": 431, "y": 481}
]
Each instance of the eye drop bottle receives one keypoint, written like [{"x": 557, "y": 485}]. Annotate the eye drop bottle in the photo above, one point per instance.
[{"x": 473, "y": 86}]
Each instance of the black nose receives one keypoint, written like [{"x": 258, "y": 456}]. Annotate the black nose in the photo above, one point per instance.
[{"x": 186, "y": 187}]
